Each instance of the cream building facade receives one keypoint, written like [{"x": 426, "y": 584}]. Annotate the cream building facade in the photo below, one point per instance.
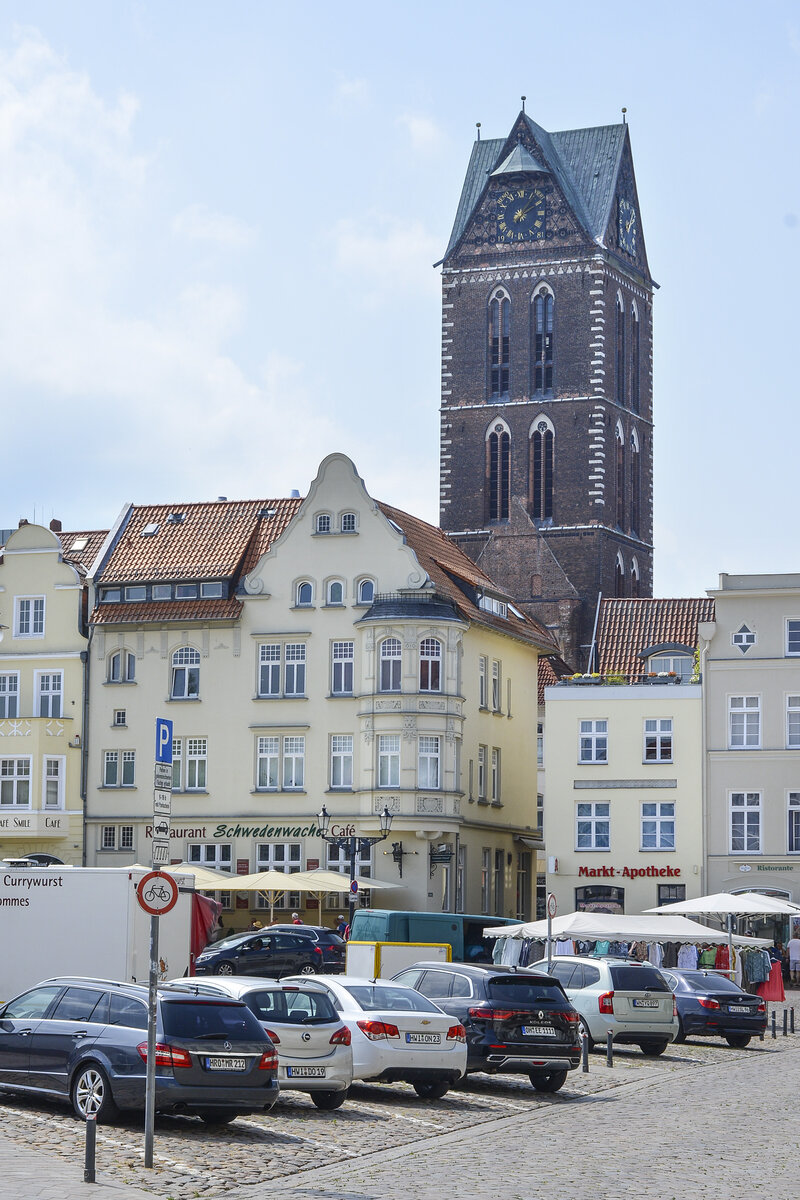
[{"x": 330, "y": 650}]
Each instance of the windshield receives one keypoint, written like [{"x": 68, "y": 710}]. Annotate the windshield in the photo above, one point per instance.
[
  {"x": 379, "y": 996},
  {"x": 190, "y": 1019},
  {"x": 701, "y": 982},
  {"x": 524, "y": 991},
  {"x": 638, "y": 979},
  {"x": 293, "y": 1008}
]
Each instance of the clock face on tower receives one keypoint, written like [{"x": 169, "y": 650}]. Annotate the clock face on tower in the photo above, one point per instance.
[
  {"x": 521, "y": 214},
  {"x": 627, "y": 226}
]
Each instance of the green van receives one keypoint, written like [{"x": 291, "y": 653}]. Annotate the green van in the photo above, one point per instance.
[{"x": 463, "y": 932}]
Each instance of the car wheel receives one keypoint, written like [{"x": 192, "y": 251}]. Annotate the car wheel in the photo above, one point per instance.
[
  {"x": 308, "y": 969},
  {"x": 224, "y": 968},
  {"x": 217, "y": 1116},
  {"x": 91, "y": 1094},
  {"x": 431, "y": 1089},
  {"x": 329, "y": 1100},
  {"x": 548, "y": 1081},
  {"x": 681, "y": 1032},
  {"x": 653, "y": 1048},
  {"x": 737, "y": 1040},
  {"x": 584, "y": 1028}
]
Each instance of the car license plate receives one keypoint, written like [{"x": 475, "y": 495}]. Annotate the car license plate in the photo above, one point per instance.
[
  {"x": 645, "y": 1004},
  {"x": 538, "y": 1031},
  {"x": 226, "y": 1064},
  {"x": 306, "y": 1072},
  {"x": 745, "y": 1008},
  {"x": 424, "y": 1039}
]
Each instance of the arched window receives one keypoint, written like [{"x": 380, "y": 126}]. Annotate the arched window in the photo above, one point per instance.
[
  {"x": 619, "y": 446},
  {"x": 390, "y": 665},
  {"x": 430, "y": 665},
  {"x": 540, "y": 470},
  {"x": 335, "y": 592},
  {"x": 634, "y": 359},
  {"x": 635, "y": 586},
  {"x": 366, "y": 591},
  {"x": 619, "y": 358},
  {"x": 619, "y": 577},
  {"x": 499, "y": 344},
  {"x": 498, "y": 473},
  {"x": 349, "y": 522},
  {"x": 323, "y": 523},
  {"x": 305, "y": 595},
  {"x": 122, "y": 667},
  {"x": 185, "y": 674},
  {"x": 543, "y": 341},
  {"x": 636, "y": 483}
]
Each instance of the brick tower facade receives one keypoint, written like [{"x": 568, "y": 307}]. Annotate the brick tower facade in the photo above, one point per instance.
[{"x": 546, "y": 425}]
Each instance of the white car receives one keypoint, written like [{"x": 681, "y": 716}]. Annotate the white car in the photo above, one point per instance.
[
  {"x": 397, "y": 1034},
  {"x": 312, "y": 1040}
]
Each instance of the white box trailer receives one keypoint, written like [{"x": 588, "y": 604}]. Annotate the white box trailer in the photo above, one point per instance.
[
  {"x": 382, "y": 960},
  {"x": 85, "y": 921}
]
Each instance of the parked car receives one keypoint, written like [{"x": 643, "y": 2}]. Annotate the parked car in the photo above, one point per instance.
[
  {"x": 715, "y": 1006},
  {"x": 333, "y": 947},
  {"x": 517, "y": 1022},
  {"x": 261, "y": 953},
  {"x": 631, "y": 1000},
  {"x": 84, "y": 1041},
  {"x": 397, "y": 1034},
  {"x": 314, "y": 1051}
]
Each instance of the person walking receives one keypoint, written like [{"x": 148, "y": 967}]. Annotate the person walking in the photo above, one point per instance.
[
  {"x": 793, "y": 947},
  {"x": 341, "y": 925}
]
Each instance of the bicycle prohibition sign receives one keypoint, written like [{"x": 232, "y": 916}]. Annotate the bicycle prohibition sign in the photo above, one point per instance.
[{"x": 157, "y": 893}]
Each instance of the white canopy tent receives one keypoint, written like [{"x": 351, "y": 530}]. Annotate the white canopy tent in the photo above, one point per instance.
[
  {"x": 590, "y": 926},
  {"x": 737, "y": 904}
]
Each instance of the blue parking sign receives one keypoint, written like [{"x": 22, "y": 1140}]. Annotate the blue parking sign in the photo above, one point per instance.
[{"x": 163, "y": 740}]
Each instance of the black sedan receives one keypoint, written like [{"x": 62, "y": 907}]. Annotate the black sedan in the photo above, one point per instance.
[
  {"x": 262, "y": 953},
  {"x": 712, "y": 1005},
  {"x": 333, "y": 947},
  {"x": 517, "y": 1022}
]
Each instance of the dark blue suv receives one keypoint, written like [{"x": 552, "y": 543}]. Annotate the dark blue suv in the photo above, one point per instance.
[{"x": 85, "y": 1041}]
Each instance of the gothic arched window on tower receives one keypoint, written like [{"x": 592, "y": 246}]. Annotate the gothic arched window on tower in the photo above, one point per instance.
[
  {"x": 635, "y": 588},
  {"x": 543, "y": 341},
  {"x": 634, "y": 360},
  {"x": 619, "y": 357},
  {"x": 540, "y": 469},
  {"x": 498, "y": 473},
  {"x": 636, "y": 483},
  {"x": 619, "y": 577},
  {"x": 619, "y": 447},
  {"x": 499, "y": 344}
]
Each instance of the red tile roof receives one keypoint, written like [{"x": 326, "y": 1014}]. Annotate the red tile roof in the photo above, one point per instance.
[
  {"x": 165, "y": 611},
  {"x": 551, "y": 670},
  {"x": 627, "y": 627},
  {"x": 78, "y": 554}
]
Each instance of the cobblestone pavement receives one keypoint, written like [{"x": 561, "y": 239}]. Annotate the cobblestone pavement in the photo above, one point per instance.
[{"x": 385, "y": 1142}]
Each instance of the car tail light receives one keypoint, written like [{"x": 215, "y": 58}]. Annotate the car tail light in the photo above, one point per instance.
[
  {"x": 606, "y": 1003},
  {"x": 377, "y": 1031},
  {"x": 272, "y": 1035},
  {"x": 762, "y": 1006},
  {"x": 318, "y": 951},
  {"x": 493, "y": 1014},
  {"x": 707, "y": 1002},
  {"x": 342, "y": 1037},
  {"x": 167, "y": 1056},
  {"x": 269, "y": 1061},
  {"x": 572, "y": 1018},
  {"x": 456, "y": 1033},
  {"x": 674, "y": 1005}
]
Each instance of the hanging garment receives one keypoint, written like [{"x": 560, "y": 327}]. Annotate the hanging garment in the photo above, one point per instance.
[
  {"x": 738, "y": 972},
  {"x": 670, "y": 951},
  {"x": 511, "y": 952},
  {"x": 707, "y": 957},
  {"x": 655, "y": 954},
  {"x": 497, "y": 950},
  {"x": 772, "y": 989},
  {"x": 721, "y": 958},
  {"x": 564, "y": 946},
  {"x": 687, "y": 957},
  {"x": 602, "y": 947}
]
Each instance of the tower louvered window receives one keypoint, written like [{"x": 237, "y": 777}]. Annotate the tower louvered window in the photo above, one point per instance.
[
  {"x": 636, "y": 486},
  {"x": 541, "y": 472},
  {"x": 635, "y": 361},
  {"x": 619, "y": 358},
  {"x": 620, "y": 465},
  {"x": 498, "y": 449},
  {"x": 619, "y": 578},
  {"x": 543, "y": 343},
  {"x": 499, "y": 346}
]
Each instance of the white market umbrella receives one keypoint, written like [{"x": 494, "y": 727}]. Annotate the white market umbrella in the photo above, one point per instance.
[
  {"x": 272, "y": 885},
  {"x": 737, "y": 904},
  {"x": 592, "y": 926},
  {"x": 204, "y": 878},
  {"x": 337, "y": 881}
]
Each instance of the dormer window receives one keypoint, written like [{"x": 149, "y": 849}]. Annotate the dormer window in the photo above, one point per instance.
[
  {"x": 211, "y": 591},
  {"x": 671, "y": 664},
  {"x": 136, "y": 593},
  {"x": 323, "y": 523},
  {"x": 111, "y": 595},
  {"x": 491, "y": 604}
]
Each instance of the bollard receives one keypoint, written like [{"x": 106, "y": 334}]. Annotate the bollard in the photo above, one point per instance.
[
  {"x": 585, "y": 1054},
  {"x": 785, "y": 1022},
  {"x": 774, "y": 1025},
  {"x": 91, "y": 1144},
  {"x": 791, "y": 1019},
  {"x": 609, "y": 1049}
]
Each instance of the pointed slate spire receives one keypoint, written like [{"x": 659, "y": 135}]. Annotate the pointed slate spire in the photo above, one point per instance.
[{"x": 519, "y": 160}]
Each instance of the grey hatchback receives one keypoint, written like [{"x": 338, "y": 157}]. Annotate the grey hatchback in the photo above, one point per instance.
[{"x": 85, "y": 1041}]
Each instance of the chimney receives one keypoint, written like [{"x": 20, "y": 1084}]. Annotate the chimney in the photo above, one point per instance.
[
  {"x": 55, "y": 525},
  {"x": 23, "y": 521}
]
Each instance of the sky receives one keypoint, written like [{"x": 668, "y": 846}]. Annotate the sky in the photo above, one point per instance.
[{"x": 218, "y": 225}]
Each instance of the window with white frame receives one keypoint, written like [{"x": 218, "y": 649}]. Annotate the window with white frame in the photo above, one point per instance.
[
  {"x": 323, "y": 523},
  {"x": 267, "y": 763},
  {"x": 388, "y": 760},
  {"x": 217, "y": 856},
  {"x": 658, "y": 825},
  {"x": 482, "y": 754},
  {"x": 658, "y": 739},
  {"x": 119, "y": 768},
  {"x": 126, "y": 837},
  {"x": 122, "y": 667},
  {"x": 540, "y": 814},
  {"x": 294, "y": 674},
  {"x": 113, "y": 837},
  {"x": 486, "y": 879},
  {"x": 277, "y": 661},
  {"x": 593, "y": 825},
  {"x": 495, "y": 775},
  {"x": 304, "y": 596},
  {"x": 793, "y": 843},
  {"x": 161, "y": 591},
  {"x": 593, "y": 742},
  {"x": 136, "y": 593},
  {"x": 185, "y": 591},
  {"x": 185, "y": 674},
  {"x": 338, "y": 859},
  {"x": 429, "y": 762},
  {"x": 49, "y": 699},
  {"x": 745, "y": 814},
  {"x": 294, "y": 758},
  {"x": 793, "y": 722},
  {"x": 335, "y": 592},
  {"x": 341, "y": 760},
  {"x": 53, "y": 775},
  {"x": 366, "y": 591},
  {"x": 286, "y": 857},
  {"x": 342, "y": 668},
  {"x": 744, "y": 722},
  {"x": 269, "y": 669},
  {"x": 29, "y": 616},
  {"x": 391, "y": 664},
  {"x": 540, "y": 743},
  {"x": 212, "y": 590},
  {"x": 15, "y": 783},
  {"x": 496, "y": 681},
  {"x": 672, "y": 664},
  {"x": 430, "y": 665},
  {"x": 196, "y": 763},
  {"x": 348, "y": 522},
  {"x": 177, "y": 764},
  {"x": 793, "y": 635},
  {"x": 483, "y": 671},
  {"x": 9, "y": 694}
]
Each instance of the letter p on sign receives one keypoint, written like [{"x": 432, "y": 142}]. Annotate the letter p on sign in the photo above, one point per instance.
[{"x": 163, "y": 740}]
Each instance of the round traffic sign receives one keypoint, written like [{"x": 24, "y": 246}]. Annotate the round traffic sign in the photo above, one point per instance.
[
  {"x": 157, "y": 893},
  {"x": 552, "y": 907},
  {"x": 354, "y": 887}
]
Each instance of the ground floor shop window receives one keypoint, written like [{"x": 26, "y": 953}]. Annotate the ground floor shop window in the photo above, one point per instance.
[
  {"x": 670, "y": 893},
  {"x": 217, "y": 856},
  {"x": 279, "y": 856},
  {"x": 600, "y": 898}
]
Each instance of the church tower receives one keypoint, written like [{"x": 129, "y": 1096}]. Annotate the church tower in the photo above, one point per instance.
[{"x": 547, "y": 423}]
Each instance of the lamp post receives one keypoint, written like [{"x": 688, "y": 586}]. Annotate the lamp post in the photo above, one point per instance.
[{"x": 352, "y": 845}]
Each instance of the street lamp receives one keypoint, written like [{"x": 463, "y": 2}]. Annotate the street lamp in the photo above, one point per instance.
[{"x": 351, "y": 845}]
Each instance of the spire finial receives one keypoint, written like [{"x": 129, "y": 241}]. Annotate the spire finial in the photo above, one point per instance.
[
  {"x": 523, "y": 98},
  {"x": 478, "y": 127},
  {"x": 624, "y": 121}
]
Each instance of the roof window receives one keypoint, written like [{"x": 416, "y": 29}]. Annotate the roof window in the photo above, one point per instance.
[
  {"x": 176, "y": 518},
  {"x": 150, "y": 528},
  {"x": 80, "y": 543},
  {"x": 492, "y": 605}
]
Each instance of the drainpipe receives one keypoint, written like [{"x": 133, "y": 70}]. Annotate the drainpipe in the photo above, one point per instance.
[
  {"x": 706, "y": 646},
  {"x": 85, "y": 659}
]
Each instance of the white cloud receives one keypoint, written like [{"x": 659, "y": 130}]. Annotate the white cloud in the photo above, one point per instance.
[
  {"x": 201, "y": 224},
  {"x": 352, "y": 90},
  {"x": 388, "y": 254},
  {"x": 425, "y": 134}
]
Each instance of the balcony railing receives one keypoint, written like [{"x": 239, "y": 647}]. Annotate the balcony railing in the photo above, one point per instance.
[{"x": 618, "y": 679}]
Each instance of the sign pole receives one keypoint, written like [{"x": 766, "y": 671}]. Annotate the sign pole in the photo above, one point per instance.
[
  {"x": 150, "y": 1086},
  {"x": 162, "y": 801},
  {"x": 552, "y": 909}
]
